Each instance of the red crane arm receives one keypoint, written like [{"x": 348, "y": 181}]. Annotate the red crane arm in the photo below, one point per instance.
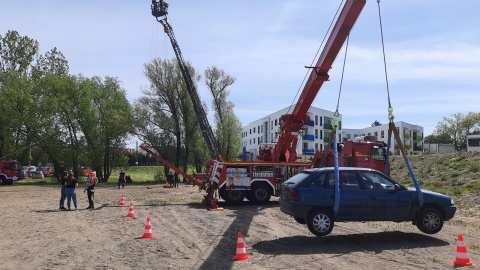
[{"x": 293, "y": 123}]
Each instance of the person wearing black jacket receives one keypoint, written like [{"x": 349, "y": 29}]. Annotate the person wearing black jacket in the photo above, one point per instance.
[
  {"x": 63, "y": 195},
  {"x": 70, "y": 186},
  {"x": 90, "y": 188}
]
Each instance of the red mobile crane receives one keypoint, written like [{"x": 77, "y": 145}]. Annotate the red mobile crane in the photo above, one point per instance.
[
  {"x": 355, "y": 154},
  {"x": 259, "y": 180}
]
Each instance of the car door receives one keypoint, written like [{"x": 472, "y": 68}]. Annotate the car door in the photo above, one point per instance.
[
  {"x": 353, "y": 203},
  {"x": 384, "y": 200}
]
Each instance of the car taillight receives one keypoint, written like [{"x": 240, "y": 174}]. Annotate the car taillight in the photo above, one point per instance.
[{"x": 294, "y": 196}]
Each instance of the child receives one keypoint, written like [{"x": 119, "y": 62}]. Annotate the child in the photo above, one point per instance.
[{"x": 90, "y": 188}]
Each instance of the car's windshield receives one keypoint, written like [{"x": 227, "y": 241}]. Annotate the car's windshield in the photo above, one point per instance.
[{"x": 297, "y": 178}]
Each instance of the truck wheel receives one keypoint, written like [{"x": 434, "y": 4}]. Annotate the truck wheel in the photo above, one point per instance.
[
  {"x": 320, "y": 222},
  {"x": 9, "y": 181},
  {"x": 430, "y": 221},
  {"x": 260, "y": 193},
  {"x": 3, "y": 180},
  {"x": 233, "y": 197}
]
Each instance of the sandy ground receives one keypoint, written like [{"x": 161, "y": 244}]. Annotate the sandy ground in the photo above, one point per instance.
[{"x": 35, "y": 235}]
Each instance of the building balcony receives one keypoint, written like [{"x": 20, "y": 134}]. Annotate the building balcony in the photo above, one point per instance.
[
  {"x": 328, "y": 126},
  {"x": 308, "y": 151},
  {"x": 309, "y": 123},
  {"x": 308, "y": 137},
  {"x": 406, "y": 136},
  {"x": 417, "y": 138}
]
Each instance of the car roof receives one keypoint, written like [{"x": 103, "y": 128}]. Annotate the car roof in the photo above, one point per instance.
[{"x": 325, "y": 169}]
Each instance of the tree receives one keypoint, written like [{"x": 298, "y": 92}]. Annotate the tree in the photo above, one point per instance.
[
  {"x": 376, "y": 123},
  {"x": 228, "y": 126},
  {"x": 17, "y": 53},
  {"x": 161, "y": 113},
  {"x": 458, "y": 127}
]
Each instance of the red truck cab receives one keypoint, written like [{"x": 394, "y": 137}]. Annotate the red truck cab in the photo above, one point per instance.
[{"x": 10, "y": 170}]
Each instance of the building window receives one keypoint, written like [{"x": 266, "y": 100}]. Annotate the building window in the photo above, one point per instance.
[
  {"x": 316, "y": 133},
  {"x": 316, "y": 120},
  {"x": 272, "y": 125},
  {"x": 382, "y": 134},
  {"x": 321, "y": 120},
  {"x": 253, "y": 140},
  {"x": 258, "y": 129},
  {"x": 250, "y": 141},
  {"x": 253, "y": 130},
  {"x": 375, "y": 134},
  {"x": 250, "y": 131},
  {"x": 316, "y": 146}
]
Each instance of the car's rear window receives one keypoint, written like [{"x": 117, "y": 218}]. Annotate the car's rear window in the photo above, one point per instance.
[{"x": 298, "y": 178}]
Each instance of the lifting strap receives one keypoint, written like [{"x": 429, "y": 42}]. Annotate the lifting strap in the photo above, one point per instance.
[
  {"x": 391, "y": 125},
  {"x": 392, "y": 128}
]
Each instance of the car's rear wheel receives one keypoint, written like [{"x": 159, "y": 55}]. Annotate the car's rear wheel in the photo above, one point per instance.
[
  {"x": 260, "y": 193},
  {"x": 430, "y": 221},
  {"x": 300, "y": 220},
  {"x": 320, "y": 222}
]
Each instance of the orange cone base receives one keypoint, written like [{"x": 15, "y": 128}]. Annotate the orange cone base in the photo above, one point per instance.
[
  {"x": 461, "y": 263},
  {"x": 147, "y": 235},
  {"x": 240, "y": 257}
]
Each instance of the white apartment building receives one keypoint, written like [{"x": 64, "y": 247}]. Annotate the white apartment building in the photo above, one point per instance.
[
  {"x": 410, "y": 135},
  {"x": 315, "y": 135}
]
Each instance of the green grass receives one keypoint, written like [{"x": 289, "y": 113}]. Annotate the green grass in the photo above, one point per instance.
[{"x": 139, "y": 174}]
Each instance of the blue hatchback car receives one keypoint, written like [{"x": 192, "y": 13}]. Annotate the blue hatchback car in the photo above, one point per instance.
[{"x": 365, "y": 195}]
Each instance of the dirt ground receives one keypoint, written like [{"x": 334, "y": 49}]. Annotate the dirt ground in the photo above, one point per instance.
[{"x": 35, "y": 235}]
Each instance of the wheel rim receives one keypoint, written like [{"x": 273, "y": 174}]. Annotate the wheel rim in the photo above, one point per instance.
[
  {"x": 321, "y": 223},
  {"x": 260, "y": 193},
  {"x": 234, "y": 194},
  {"x": 431, "y": 221}
]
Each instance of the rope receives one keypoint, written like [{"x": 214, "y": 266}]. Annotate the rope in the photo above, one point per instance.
[
  {"x": 313, "y": 60},
  {"x": 390, "y": 109}
]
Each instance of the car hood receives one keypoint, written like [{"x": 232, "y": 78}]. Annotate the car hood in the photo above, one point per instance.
[{"x": 430, "y": 196}]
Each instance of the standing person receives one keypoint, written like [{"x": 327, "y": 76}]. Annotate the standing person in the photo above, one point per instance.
[
  {"x": 121, "y": 179},
  {"x": 170, "y": 179},
  {"x": 90, "y": 188},
  {"x": 70, "y": 186},
  {"x": 63, "y": 195},
  {"x": 175, "y": 180}
]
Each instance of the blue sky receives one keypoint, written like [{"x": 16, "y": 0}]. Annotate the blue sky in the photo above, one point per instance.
[{"x": 432, "y": 51}]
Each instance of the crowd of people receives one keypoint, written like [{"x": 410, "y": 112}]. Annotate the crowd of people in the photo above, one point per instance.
[{"x": 69, "y": 184}]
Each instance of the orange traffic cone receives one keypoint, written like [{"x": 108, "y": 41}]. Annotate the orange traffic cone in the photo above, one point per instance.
[
  {"x": 130, "y": 210},
  {"x": 241, "y": 253},
  {"x": 147, "y": 233},
  {"x": 462, "y": 255},
  {"x": 122, "y": 200}
]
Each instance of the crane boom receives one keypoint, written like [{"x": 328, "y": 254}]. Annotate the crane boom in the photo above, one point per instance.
[
  {"x": 292, "y": 124},
  {"x": 159, "y": 10}
]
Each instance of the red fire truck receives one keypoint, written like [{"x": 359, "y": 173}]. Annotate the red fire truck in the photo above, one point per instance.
[{"x": 9, "y": 171}]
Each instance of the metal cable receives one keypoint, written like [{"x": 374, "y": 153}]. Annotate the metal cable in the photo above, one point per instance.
[
  {"x": 390, "y": 109},
  {"x": 321, "y": 45}
]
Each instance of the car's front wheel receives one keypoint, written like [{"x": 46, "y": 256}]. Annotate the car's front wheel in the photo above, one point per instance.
[
  {"x": 430, "y": 221},
  {"x": 320, "y": 222}
]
